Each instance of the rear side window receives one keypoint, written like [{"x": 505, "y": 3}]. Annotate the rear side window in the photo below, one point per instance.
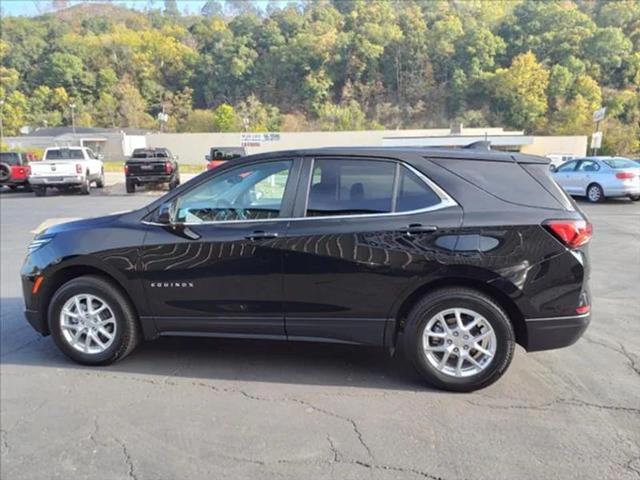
[
  {"x": 364, "y": 187},
  {"x": 351, "y": 187},
  {"x": 617, "y": 163}
]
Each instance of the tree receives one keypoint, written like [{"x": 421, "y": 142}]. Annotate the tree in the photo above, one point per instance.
[
  {"x": 341, "y": 117},
  {"x": 14, "y": 112},
  {"x": 259, "y": 117},
  {"x": 198, "y": 121},
  {"x": 212, "y": 8},
  {"x": 171, "y": 8},
  {"x": 225, "y": 119},
  {"x": 520, "y": 92}
]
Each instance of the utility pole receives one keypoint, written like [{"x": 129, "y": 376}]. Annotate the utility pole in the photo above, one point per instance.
[
  {"x": 1, "y": 119},
  {"x": 72, "y": 106}
]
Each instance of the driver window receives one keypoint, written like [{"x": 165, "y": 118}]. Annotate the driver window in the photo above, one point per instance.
[
  {"x": 252, "y": 192},
  {"x": 567, "y": 167}
]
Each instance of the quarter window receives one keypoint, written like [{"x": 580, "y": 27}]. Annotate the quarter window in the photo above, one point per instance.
[
  {"x": 252, "y": 192},
  {"x": 413, "y": 193}
]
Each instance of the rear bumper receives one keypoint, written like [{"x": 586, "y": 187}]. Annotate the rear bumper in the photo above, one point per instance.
[
  {"x": 57, "y": 181},
  {"x": 555, "y": 332},
  {"x": 16, "y": 181},
  {"x": 621, "y": 190},
  {"x": 149, "y": 178}
]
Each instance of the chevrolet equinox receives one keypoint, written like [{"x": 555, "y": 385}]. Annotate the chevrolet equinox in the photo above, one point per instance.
[{"x": 451, "y": 256}]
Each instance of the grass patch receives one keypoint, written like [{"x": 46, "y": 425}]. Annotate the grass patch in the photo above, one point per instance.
[{"x": 118, "y": 167}]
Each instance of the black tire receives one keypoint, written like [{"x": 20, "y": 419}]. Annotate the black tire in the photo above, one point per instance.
[
  {"x": 13, "y": 188},
  {"x": 39, "y": 191},
  {"x": 131, "y": 187},
  {"x": 127, "y": 334},
  {"x": 595, "y": 194},
  {"x": 5, "y": 172},
  {"x": 635, "y": 198},
  {"x": 459, "y": 297},
  {"x": 174, "y": 183},
  {"x": 100, "y": 181},
  {"x": 85, "y": 188}
]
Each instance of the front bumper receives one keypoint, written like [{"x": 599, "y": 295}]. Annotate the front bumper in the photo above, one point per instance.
[
  {"x": 37, "y": 321},
  {"x": 555, "y": 332},
  {"x": 66, "y": 181}
]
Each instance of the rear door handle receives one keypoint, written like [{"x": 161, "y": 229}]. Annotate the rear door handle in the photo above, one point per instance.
[
  {"x": 261, "y": 235},
  {"x": 415, "y": 228}
]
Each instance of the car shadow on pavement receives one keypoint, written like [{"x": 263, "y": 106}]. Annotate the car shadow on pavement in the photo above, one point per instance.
[{"x": 245, "y": 361}]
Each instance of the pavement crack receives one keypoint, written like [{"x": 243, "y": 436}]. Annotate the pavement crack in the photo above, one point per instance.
[
  {"x": 633, "y": 363},
  {"x": 127, "y": 458},
  {"x": 393, "y": 468},
  {"x": 336, "y": 457},
  {"x": 559, "y": 401}
]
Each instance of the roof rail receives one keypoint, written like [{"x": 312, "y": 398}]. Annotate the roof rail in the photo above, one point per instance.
[{"x": 479, "y": 145}]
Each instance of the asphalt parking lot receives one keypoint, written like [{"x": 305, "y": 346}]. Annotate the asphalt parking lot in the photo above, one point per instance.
[{"x": 208, "y": 409}]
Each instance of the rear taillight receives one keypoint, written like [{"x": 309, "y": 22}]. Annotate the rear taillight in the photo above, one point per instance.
[
  {"x": 168, "y": 168},
  {"x": 21, "y": 171},
  {"x": 572, "y": 233},
  {"x": 126, "y": 169},
  {"x": 625, "y": 175},
  {"x": 78, "y": 168}
]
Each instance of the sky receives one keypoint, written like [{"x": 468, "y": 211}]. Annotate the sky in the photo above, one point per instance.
[{"x": 34, "y": 7}]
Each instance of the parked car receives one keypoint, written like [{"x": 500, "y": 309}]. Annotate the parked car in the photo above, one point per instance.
[
  {"x": 598, "y": 178},
  {"x": 65, "y": 168},
  {"x": 151, "y": 165},
  {"x": 454, "y": 256},
  {"x": 219, "y": 156},
  {"x": 14, "y": 170}
]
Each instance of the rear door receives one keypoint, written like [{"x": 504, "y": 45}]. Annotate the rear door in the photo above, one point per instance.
[
  {"x": 364, "y": 229},
  {"x": 565, "y": 176}
]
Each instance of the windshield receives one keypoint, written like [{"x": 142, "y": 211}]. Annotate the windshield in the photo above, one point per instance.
[
  {"x": 10, "y": 158},
  {"x": 64, "y": 154},
  {"x": 617, "y": 163}
]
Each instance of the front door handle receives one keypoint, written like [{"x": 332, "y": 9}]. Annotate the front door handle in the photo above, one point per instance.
[
  {"x": 261, "y": 235},
  {"x": 416, "y": 228}
]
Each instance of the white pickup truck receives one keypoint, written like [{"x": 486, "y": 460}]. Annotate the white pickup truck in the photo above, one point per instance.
[{"x": 67, "y": 167}]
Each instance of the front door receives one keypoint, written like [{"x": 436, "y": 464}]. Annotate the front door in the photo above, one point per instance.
[{"x": 217, "y": 267}]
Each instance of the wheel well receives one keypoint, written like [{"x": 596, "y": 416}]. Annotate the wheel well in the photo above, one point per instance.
[
  {"x": 52, "y": 284},
  {"x": 513, "y": 312}
]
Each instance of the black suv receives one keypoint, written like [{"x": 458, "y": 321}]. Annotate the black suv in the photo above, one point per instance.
[{"x": 452, "y": 255}]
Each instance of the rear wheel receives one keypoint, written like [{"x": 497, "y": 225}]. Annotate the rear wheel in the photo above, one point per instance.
[
  {"x": 174, "y": 183},
  {"x": 92, "y": 322},
  {"x": 595, "y": 193},
  {"x": 39, "y": 191},
  {"x": 85, "y": 188},
  {"x": 459, "y": 339},
  {"x": 635, "y": 198},
  {"x": 100, "y": 181},
  {"x": 131, "y": 187}
]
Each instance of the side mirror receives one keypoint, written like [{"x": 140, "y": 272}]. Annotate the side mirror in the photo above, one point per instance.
[
  {"x": 166, "y": 213},
  {"x": 207, "y": 158},
  {"x": 552, "y": 168},
  {"x": 100, "y": 157}
]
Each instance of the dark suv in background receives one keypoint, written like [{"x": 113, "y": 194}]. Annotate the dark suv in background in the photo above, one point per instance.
[
  {"x": 151, "y": 166},
  {"x": 452, "y": 255}
]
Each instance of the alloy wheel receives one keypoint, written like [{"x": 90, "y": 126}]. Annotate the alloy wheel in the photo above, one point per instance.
[
  {"x": 459, "y": 342},
  {"x": 88, "y": 323},
  {"x": 594, "y": 193}
]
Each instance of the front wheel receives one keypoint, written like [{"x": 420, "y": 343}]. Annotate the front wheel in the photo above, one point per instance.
[
  {"x": 595, "y": 193},
  {"x": 635, "y": 198},
  {"x": 459, "y": 339},
  {"x": 92, "y": 322}
]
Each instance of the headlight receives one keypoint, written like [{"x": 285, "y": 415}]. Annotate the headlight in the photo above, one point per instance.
[{"x": 39, "y": 242}]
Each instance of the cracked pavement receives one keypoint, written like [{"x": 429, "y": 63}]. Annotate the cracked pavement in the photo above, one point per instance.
[{"x": 208, "y": 408}]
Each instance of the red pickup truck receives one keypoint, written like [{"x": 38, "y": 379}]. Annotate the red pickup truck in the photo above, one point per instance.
[{"x": 14, "y": 170}]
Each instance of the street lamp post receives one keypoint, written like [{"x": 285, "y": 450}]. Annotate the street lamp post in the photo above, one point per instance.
[{"x": 72, "y": 106}]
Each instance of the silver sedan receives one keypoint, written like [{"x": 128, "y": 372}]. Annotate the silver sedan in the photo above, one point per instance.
[{"x": 600, "y": 177}]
